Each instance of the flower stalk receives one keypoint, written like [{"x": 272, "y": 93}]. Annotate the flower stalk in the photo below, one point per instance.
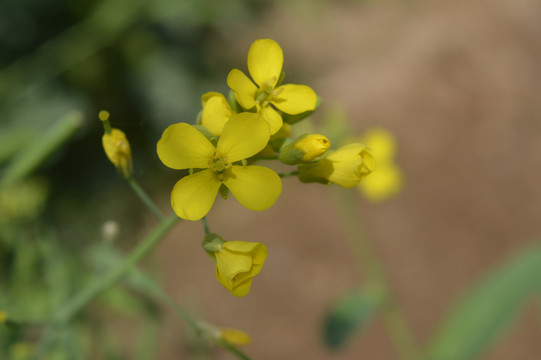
[{"x": 87, "y": 295}]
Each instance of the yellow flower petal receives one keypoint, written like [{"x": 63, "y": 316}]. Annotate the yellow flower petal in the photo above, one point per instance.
[
  {"x": 216, "y": 112},
  {"x": 255, "y": 187},
  {"x": 295, "y": 99},
  {"x": 243, "y": 88},
  {"x": 265, "y": 60},
  {"x": 182, "y": 147},
  {"x": 193, "y": 195},
  {"x": 244, "y": 135},
  {"x": 383, "y": 183},
  {"x": 258, "y": 250},
  {"x": 272, "y": 117},
  {"x": 381, "y": 142}
]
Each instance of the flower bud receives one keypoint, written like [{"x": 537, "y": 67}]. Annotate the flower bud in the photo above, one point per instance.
[
  {"x": 344, "y": 167},
  {"x": 304, "y": 149},
  {"x": 116, "y": 146}
]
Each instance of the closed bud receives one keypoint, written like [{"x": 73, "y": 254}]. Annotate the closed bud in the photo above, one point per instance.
[
  {"x": 116, "y": 146},
  {"x": 304, "y": 149}
]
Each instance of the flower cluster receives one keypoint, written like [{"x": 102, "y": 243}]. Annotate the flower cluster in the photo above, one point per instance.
[{"x": 254, "y": 122}]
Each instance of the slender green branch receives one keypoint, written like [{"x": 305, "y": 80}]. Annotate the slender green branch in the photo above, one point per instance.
[
  {"x": 291, "y": 173},
  {"x": 81, "y": 300},
  {"x": 372, "y": 269},
  {"x": 145, "y": 198},
  {"x": 205, "y": 225}
]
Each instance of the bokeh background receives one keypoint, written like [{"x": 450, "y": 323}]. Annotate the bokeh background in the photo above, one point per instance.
[{"x": 457, "y": 82}]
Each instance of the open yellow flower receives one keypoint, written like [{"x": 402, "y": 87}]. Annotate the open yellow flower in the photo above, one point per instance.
[
  {"x": 237, "y": 263},
  {"x": 265, "y": 60},
  {"x": 183, "y": 147},
  {"x": 345, "y": 167}
]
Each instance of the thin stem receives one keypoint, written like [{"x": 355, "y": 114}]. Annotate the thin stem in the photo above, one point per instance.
[
  {"x": 291, "y": 173},
  {"x": 205, "y": 225},
  {"x": 372, "y": 269},
  {"x": 145, "y": 198},
  {"x": 81, "y": 300}
]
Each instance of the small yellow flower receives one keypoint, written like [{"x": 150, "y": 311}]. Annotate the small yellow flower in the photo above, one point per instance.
[
  {"x": 184, "y": 147},
  {"x": 304, "y": 149},
  {"x": 237, "y": 263},
  {"x": 116, "y": 146},
  {"x": 265, "y": 60},
  {"x": 344, "y": 167},
  {"x": 387, "y": 180}
]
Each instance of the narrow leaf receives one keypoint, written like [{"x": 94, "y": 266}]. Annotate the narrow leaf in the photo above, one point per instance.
[{"x": 487, "y": 309}]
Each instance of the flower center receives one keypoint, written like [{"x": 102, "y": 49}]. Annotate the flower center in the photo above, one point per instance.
[
  {"x": 220, "y": 166},
  {"x": 266, "y": 92}
]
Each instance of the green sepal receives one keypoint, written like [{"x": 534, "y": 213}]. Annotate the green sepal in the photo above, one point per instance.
[
  {"x": 212, "y": 243},
  {"x": 293, "y": 119},
  {"x": 224, "y": 191},
  {"x": 232, "y": 100}
]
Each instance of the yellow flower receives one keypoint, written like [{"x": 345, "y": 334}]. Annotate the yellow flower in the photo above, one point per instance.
[
  {"x": 216, "y": 112},
  {"x": 116, "y": 146},
  {"x": 265, "y": 59},
  {"x": 304, "y": 149},
  {"x": 3, "y": 317},
  {"x": 387, "y": 180},
  {"x": 344, "y": 167},
  {"x": 184, "y": 147},
  {"x": 237, "y": 263}
]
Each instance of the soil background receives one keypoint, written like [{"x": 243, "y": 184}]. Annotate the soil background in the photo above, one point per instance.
[{"x": 459, "y": 84}]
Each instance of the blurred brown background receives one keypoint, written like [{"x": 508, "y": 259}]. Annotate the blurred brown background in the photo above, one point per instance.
[{"x": 458, "y": 83}]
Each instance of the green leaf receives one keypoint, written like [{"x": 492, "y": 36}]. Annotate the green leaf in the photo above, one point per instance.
[
  {"x": 28, "y": 159},
  {"x": 350, "y": 313},
  {"x": 487, "y": 309}
]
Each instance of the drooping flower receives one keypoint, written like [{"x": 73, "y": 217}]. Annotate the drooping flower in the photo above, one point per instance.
[
  {"x": 345, "y": 167},
  {"x": 265, "y": 60},
  {"x": 387, "y": 181},
  {"x": 183, "y": 147},
  {"x": 237, "y": 262}
]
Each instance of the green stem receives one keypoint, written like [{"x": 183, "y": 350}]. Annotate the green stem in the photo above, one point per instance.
[
  {"x": 145, "y": 198},
  {"x": 81, "y": 300},
  {"x": 372, "y": 269},
  {"x": 205, "y": 225},
  {"x": 291, "y": 173}
]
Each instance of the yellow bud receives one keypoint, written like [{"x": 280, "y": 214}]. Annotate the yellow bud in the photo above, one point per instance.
[
  {"x": 117, "y": 149},
  {"x": 305, "y": 148},
  {"x": 235, "y": 336},
  {"x": 3, "y": 317},
  {"x": 103, "y": 115}
]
